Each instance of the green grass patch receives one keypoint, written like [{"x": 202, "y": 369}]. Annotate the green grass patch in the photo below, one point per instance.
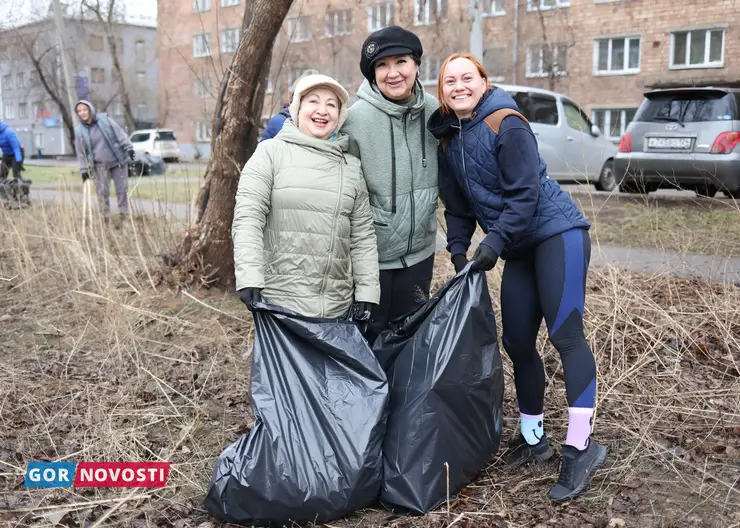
[
  {"x": 164, "y": 189},
  {"x": 42, "y": 175}
]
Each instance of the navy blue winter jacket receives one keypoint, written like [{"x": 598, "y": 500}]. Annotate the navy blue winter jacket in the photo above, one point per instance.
[
  {"x": 275, "y": 124},
  {"x": 9, "y": 143},
  {"x": 498, "y": 180}
]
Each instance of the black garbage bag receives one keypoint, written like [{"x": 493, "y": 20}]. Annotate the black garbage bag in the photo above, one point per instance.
[
  {"x": 446, "y": 391},
  {"x": 320, "y": 400},
  {"x": 147, "y": 165}
]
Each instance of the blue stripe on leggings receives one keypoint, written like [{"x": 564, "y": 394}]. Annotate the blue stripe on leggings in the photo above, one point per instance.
[
  {"x": 573, "y": 293},
  {"x": 587, "y": 397}
]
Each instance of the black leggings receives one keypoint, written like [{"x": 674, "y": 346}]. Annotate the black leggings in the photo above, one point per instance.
[
  {"x": 402, "y": 291},
  {"x": 550, "y": 282}
]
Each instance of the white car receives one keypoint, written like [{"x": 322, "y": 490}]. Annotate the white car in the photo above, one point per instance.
[
  {"x": 157, "y": 142},
  {"x": 573, "y": 147}
]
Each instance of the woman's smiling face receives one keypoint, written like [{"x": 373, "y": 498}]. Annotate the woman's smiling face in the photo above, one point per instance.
[
  {"x": 395, "y": 76},
  {"x": 463, "y": 87},
  {"x": 318, "y": 114}
]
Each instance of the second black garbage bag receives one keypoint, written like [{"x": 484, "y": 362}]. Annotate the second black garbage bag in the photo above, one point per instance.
[
  {"x": 320, "y": 400},
  {"x": 446, "y": 392}
]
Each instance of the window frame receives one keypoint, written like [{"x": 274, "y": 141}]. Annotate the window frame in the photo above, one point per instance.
[
  {"x": 230, "y": 3},
  {"x": 294, "y": 33},
  {"x": 389, "y": 15},
  {"x": 224, "y": 39},
  {"x": 140, "y": 49},
  {"x": 203, "y": 132},
  {"x": 626, "y": 70},
  {"x": 206, "y": 36},
  {"x": 332, "y": 19},
  {"x": 492, "y": 11},
  {"x": 707, "y": 49},
  {"x": 201, "y": 6},
  {"x": 559, "y": 4},
  {"x": 426, "y": 68},
  {"x": 542, "y": 73},
  {"x": 488, "y": 66},
  {"x": 423, "y": 12}
]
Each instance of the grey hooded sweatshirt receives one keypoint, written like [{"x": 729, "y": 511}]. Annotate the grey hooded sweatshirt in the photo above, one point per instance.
[
  {"x": 399, "y": 161},
  {"x": 100, "y": 140}
]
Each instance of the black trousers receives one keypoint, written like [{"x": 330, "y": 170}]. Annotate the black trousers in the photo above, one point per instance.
[
  {"x": 402, "y": 291},
  {"x": 11, "y": 163}
]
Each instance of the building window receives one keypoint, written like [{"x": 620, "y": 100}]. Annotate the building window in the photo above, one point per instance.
[
  {"x": 544, "y": 60},
  {"x": 203, "y": 87},
  {"x": 140, "y": 51},
  {"x": 534, "y": 5},
  {"x": 617, "y": 56},
  {"x": 201, "y": 5},
  {"x": 36, "y": 109},
  {"x": 116, "y": 109},
  {"x": 229, "y": 3},
  {"x": 20, "y": 80},
  {"x": 379, "y": 16},
  {"x": 97, "y": 43},
  {"x": 9, "y": 114},
  {"x": 494, "y": 62},
  {"x": 7, "y": 82},
  {"x": 23, "y": 111},
  {"x": 429, "y": 69},
  {"x": 38, "y": 140},
  {"x": 202, "y": 45},
  {"x": 97, "y": 75},
  {"x": 493, "y": 8},
  {"x": 202, "y": 132},
  {"x": 703, "y": 48},
  {"x": 613, "y": 122},
  {"x": 338, "y": 23},
  {"x": 270, "y": 88},
  {"x": 299, "y": 29},
  {"x": 429, "y": 11},
  {"x": 230, "y": 40},
  {"x": 141, "y": 78}
]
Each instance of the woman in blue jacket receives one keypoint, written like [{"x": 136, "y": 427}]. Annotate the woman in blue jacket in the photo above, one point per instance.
[{"x": 491, "y": 173}]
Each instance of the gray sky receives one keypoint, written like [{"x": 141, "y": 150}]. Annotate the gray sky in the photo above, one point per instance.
[{"x": 16, "y": 12}]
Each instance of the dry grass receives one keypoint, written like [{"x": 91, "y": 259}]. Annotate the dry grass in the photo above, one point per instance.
[{"x": 103, "y": 360}]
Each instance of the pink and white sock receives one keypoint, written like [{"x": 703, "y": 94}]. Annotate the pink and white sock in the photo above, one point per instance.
[{"x": 580, "y": 420}]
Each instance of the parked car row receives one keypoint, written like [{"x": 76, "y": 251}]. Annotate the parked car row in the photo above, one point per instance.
[{"x": 686, "y": 138}]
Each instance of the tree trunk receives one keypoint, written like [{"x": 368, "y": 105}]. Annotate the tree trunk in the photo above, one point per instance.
[{"x": 207, "y": 251}]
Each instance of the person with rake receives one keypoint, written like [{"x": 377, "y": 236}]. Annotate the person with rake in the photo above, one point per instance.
[
  {"x": 302, "y": 231},
  {"x": 103, "y": 149},
  {"x": 491, "y": 174}
]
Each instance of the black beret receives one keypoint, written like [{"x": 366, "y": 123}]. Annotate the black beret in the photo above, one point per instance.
[{"x": 388, "y": 42}]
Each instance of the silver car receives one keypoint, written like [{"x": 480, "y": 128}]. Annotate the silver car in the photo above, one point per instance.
[
  {"x": 573, "y": 148},
  {"x": 686, "y": 138}
]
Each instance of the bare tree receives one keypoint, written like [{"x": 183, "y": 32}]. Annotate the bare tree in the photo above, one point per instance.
[
  {"x": 108, "y": 13},
  {"x": 553, "y": 50},
  {"x": 207, "y": 248}
]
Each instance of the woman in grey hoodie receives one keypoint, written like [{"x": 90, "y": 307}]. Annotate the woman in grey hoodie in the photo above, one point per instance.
[
  {"x": 103, "y": 150},
  {"x": 387, "y": 130}
]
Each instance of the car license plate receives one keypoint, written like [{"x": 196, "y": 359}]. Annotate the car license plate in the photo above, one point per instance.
[{"x": 669, "y": 143}]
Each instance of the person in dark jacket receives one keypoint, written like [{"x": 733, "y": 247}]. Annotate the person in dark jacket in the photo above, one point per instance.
[
  {"x": 491, "y": 174},
  {"x": 11, "y": 148}
]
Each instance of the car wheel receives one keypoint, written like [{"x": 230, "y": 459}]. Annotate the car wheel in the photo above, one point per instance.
[
  {"x": 706, "y": 190},
  {"x": 606, "y": 182}
]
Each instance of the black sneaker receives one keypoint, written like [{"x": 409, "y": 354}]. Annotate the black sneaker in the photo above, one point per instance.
[
  {"x": 520, "y": 452},
  {"x": 576, "y": 470}
]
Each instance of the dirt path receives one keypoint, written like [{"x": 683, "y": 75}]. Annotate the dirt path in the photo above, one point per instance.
[{"x": 714, "y": 268}]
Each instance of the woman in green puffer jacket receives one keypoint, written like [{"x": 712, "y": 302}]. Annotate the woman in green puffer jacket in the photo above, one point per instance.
[
  {"x": 387, "y": 129},
  {"x": 303, "y": 232}
]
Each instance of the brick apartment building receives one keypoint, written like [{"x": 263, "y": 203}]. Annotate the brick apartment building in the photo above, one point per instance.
[{"x": 602, "y": 53}]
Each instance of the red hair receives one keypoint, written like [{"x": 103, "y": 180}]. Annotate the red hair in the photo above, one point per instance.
[{"x": 443, "y": 108}]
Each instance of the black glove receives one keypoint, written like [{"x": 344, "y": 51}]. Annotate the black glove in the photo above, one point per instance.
[
  {"x": 459, "y": 261},
  {"x": 131, "y": 154},
  {"x": 484, "y": 258},
  {"x": 360, "y": 314},
  {"x": 85, "y": 176},
  {"x": 250, "y": 296}
]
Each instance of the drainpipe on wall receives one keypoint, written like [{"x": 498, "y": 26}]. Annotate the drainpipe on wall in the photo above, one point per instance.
[{"x": 516, "y": 39}]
